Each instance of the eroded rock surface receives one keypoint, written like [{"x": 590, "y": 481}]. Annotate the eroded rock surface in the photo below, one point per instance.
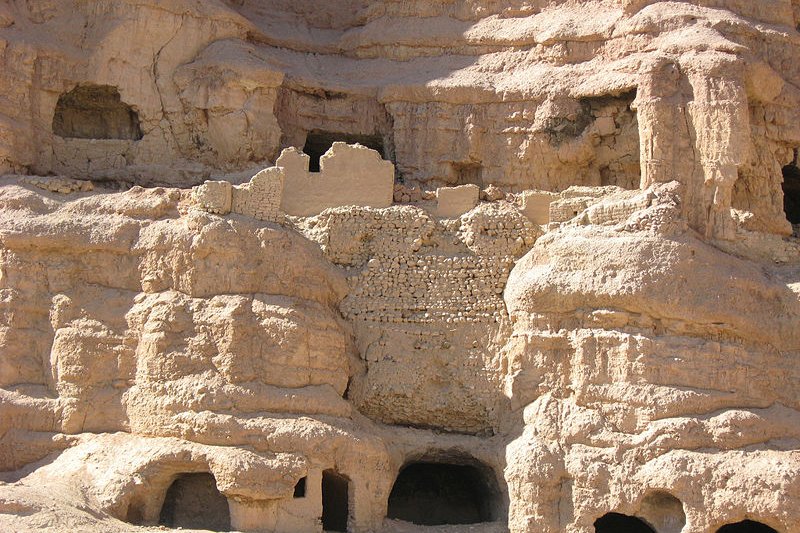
[{"x": 554, "y": 287}]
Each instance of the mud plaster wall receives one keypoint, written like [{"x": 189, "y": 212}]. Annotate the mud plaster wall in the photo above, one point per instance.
[{"x": 434, "y": 287}]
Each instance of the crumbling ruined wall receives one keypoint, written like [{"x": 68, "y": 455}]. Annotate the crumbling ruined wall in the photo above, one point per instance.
[
  {"x": 349, "y": 175},
  {"x": 426, "y": 304}
]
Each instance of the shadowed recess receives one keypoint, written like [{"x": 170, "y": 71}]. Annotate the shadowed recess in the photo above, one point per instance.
[
  {"x": 791, "y": 192},
  {"x": 746, "y": 526},
  {"x": 620, "y": 523},
  {"x": 194, "y": 502},
  {"x": 95, "y": 112},
  {"x": 300, "y": 488},
  {"x": 437, "y": 494},
  {"x": 470, "y": 173},
  {"x": 335, "y": 501},
  {"x": 663, "y": 511}
]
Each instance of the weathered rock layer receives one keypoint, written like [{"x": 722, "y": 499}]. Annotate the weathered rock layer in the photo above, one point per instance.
[{"x": 593, "y": 319}]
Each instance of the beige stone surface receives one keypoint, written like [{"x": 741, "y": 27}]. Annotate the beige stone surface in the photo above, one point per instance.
[
  {"x": 541, "y": 95},
  {"x": 536, "y": 205},
  {"x": 215, "y": 197},
  {"x": 260, "y": 197},
  {"x": 349, "y": 175},
  {"x": 453, "y": 202},
  {"x": 613, "y": 329}
]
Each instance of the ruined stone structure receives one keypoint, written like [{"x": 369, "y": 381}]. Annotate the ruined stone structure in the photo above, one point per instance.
[{"x": 526, "y": 266}]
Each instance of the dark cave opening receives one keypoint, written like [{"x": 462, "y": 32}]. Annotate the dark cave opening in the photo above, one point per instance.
[
  {"x": 791, "y": 191},
  {"x": 300, "y": 488},
  {"x": 95, "y": 112},
  {"x": 470, "y": 173},
  {"x": 335, "y": 501},
  {"x": 427, "y": 493},
  {"x": 620, "y": 523},
  {"x": 318, "y": 142},
  {"x": 746, "y": 526},
  {"x": 194, "y": 502}
]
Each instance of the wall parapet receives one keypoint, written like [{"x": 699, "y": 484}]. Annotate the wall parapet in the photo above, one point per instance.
[{"x": 349, "y": 175}]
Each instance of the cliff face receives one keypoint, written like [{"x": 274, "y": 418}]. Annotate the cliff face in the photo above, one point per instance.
[
  {"x": 590, "y": 325},
  {"x": 521, "y": 95}
]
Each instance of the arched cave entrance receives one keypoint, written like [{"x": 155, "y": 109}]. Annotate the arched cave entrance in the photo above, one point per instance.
[
  {"x": 620, "y": 523},
  {"x": 791, "y": 190},
  {"x": 95, "y": 112},
  {"x": 746, "y": 526},
  {"x": 435, "y": 493},
  {"x": 194, "y": 502},
  {"x": 335, "y": 501},
  {"x": 318, "y": 142}
]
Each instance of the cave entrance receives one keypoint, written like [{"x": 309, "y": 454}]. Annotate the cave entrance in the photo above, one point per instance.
[
  {"x": 433, "y": 494},
  {"x": 470, "y": 173},
  {"x": 620, "y": 523},
  {"x": 194, "y": 502},
  {"x": 318, "y": 142},
  {"x": 746, "y": 526},
  {"x": 335, "y": 501},
  {"x": 300, "y": 488},
  {"x": 791, "y": 190},
  {"x": 95, "y": 112}
]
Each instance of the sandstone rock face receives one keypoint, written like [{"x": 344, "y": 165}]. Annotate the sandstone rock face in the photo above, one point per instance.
[
  {"x": 537, "y": 95},
  {"x": 522, "y": 266}
]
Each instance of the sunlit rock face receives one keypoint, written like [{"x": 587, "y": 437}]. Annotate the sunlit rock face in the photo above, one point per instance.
[{"x": 392, "y": 266}]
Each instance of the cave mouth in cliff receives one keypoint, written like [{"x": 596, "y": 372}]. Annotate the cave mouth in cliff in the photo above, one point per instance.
[
  {"x": 746, "y": 526},
  {"x": 616, "y": 523},
  {"x": 194, "y": 502},
  {"x": 435, "y": 493},
  {"x": 468, "y": 173},
  {"x": 335, "y": 501},
  {"x": 318, "y": 142},
  {"x": 791, "y": 191},
  {"x": 95, "y": 112}
]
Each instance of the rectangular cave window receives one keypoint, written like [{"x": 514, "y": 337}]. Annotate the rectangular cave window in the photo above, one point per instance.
[
  {"x": 300, "y": 488},
  {"x": 95, "y": 112},
  {"x": 318, "y": 142},
  {"x": 615, "y": 122}
]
